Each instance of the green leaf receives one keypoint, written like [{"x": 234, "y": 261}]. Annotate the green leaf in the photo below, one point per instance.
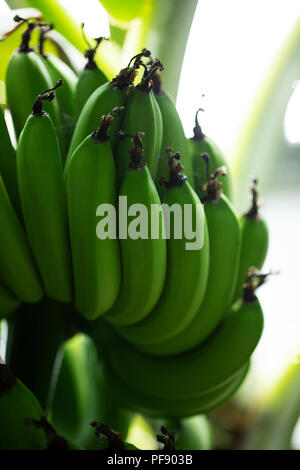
[
  {"x": 125, "y": 11},
  {"x": 261, "y": 142}
]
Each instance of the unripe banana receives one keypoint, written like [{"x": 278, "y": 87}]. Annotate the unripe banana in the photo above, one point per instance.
[
  {"x": 255, "y": 241},
  {"x": 42, "y": 192},
  {"x": 216, "y": 362},
  {"x": 173, "y": 133},
  {"x": 101, "y": 102},
  {"x": 90, "y": 78},
  {"x": 160, "y": 407},
  {"x": 199, "y": 144},
  {"x": 77, "y": 396},
  {"x": 144, "y": 260},
  {"x": 8, "y": 167},
  {"x": 193, "y": 433},
  {"x": 8, "y": 303},
  {"x": 26, "y": 76},
  {"x": 90, "y": 178},
  {"x": 65, "y": 95},
  {"x": 17, "y": 406},
  {"x": 17, "y": 268},
  {"x": 187, "y": 268},
  {"x": 224, "y": 254},
  {"x": 142, "y": 112}
]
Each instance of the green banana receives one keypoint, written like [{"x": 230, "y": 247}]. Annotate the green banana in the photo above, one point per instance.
[
  {"x": 8, "y": 303},
  {"x": 144, "y": 260},
  {"x": 216, "y": 361},
  {"x": 187, "y": 270},
  {"x": 160, "y": 407},
  {"x": 90, "y": 78},
  {"x": 65, "y": 95},
  {"x": 42, "y": 193},
  {"x": 255, "y": 240},
  {"x": 96, "y": 262},
  {"x": 173, "y": 133},
  {"x": 76, "y": 398},
  {"x": 193, "y": 433},
  {"x": 8, "y": 166},
  {"x": 224, "y": 254},
  {"x": 101, "y": 102},
  {"x": 199, "y": 144},
  {"x": 18, "y": 405},
  {"x": 17, "y": 268},
  {"x": 26, "y": 76},
  {"x": 142, "y": 112}
]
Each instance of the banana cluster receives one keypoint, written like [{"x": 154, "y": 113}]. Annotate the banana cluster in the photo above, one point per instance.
[{"x": 174, "y": 326}]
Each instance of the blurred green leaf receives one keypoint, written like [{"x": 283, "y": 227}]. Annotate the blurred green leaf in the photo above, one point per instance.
[
  {"x": 125, "y": 11},
  {"x": 261, "y": 142},
  {"x": 274, "y": 427}
]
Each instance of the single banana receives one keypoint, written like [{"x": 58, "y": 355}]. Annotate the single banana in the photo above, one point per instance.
[
  {"x": 199, "y": 144},
  {"x": 90, "y": 178},
  {"x": 17, "y": 269},
  {"x": 187, "y": 269},
  {"x": 26, "y": 76},
  {"x": 65, "y": 95},
  {"x": 193, "y": 433},
  {"x": 255, "y": 241},
  {"x": 202, "y": 370},
  {"x": 144, "y": 259},
  {"x": 43, "y": 199},
  {"x": 17, "y": 406},
  {"x": 8, "y": 303},
  {"x": 101, "y": 102},
  {"x": 76, "y": 399},
  {"x": 155, "y": 407},
  {"x": 142, "y": 112},
  {"x": 224, "y": 254},
  {"x": 90, "y": 78},
  {"x": 173, "y": 133},
  {"x": 8, "y": 166}
]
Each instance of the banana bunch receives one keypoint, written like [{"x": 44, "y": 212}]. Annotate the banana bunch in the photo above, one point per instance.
[{"x": 175, "y": 324}]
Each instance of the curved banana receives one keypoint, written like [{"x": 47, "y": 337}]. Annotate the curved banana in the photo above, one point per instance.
[
  {"x": 76, "y": 399},
  {"x": 216, "y": 362},
  {"x": 173, "y": 133},
  {"x": 101, "y": 102},
  {"x": 152, "y": 406},
  {"x": 42, "y": 193},
  {"x": 65, "y": 95},
  {"x": 144, "y": 260},
  {"x": 224, "y": 255},
  {"x": 142, "y": 112},
  {"x": 8, "y": 303},
  {"x": 187, "y": 269},
  {"x": 17, "y": 268},
  {"x": 90, "y": 78},
  {"x": 90, "y": 178},
  {"x": 26, "y": 76},
  {"x": 255, "y": 241},
  {"x": 17, "y": 406},
  {"x": 8, "y": 166},
  {"x": 192, "y": 433},
  {"x": 199, "y": 144}
]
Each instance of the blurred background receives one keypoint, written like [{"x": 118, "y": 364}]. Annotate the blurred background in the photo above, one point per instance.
[{"x": 231, "y": 55}]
